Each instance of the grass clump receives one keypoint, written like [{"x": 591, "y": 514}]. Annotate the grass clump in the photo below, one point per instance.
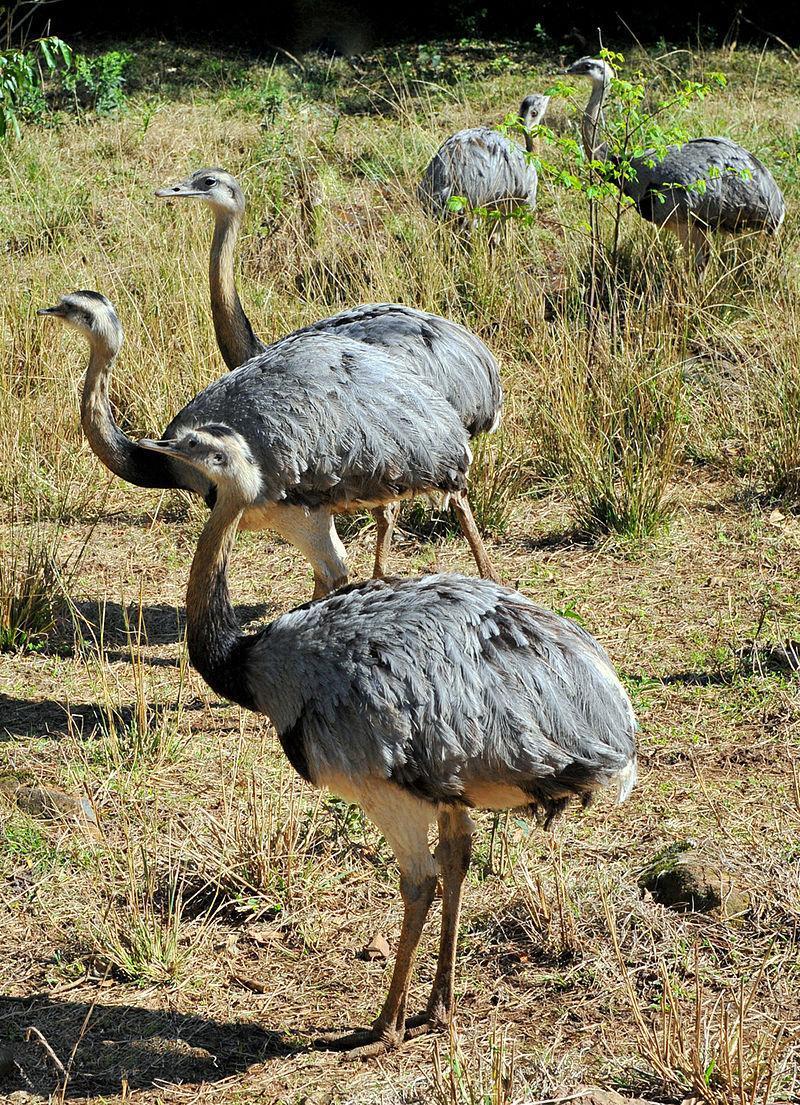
[
  {"x": 141, "y": 935},
  {"x": 498, "y": 476},
  {"x": 31, "y": 595},
  {"x": 612, "y": 429},
  {"x": 260, "y": 856}
]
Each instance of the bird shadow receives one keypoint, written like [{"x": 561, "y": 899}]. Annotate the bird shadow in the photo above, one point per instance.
[
  {"x": 573, "y": 537},
  {"x": 152, "y": 624},
  {"x": 116, "y": 1043},
  {"x": 48, "y": 718},
  {"x": 697, "y": 679}
]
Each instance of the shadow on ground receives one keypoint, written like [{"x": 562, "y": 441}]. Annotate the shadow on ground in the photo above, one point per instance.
[
  {"x": 161, "y": 624},
  {"x": 49, "y": 718},
  {"x": 146, "y": 1047}
]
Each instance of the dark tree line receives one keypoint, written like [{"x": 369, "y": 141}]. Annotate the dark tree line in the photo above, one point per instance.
[{"x": 357, "y": 25}]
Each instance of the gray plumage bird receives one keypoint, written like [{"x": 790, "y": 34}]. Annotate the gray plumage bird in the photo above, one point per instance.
[
  {"x": 333, "y": 425},
  {"x": 417, "y": 699},
  {"x": 484, "y": 168},
  {"x": 444, "y": 354},
  {"x": 736, "y": 191}
]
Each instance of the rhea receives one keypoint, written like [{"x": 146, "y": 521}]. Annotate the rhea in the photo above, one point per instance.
[
  {"x": 418, "y": 699},
  {"x": 706, "y": 184},
  {"x": 444, "y": 354},
  {"x": 484, "y": 169},
  {"x": 332, "y": 424}
]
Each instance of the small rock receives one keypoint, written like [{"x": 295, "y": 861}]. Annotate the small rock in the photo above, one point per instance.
[
  {"x": 683, "y": 878},
  {"x": 377, "y": 948},
  {"x": 596, "y": 1095},
  {"x": 50, "y": 803}
]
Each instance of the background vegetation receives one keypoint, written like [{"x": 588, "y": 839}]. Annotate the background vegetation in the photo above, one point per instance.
[{"x": 644, "y": 481}]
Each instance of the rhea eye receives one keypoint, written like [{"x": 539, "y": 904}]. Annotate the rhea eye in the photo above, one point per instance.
[{"x": 210, "y": 182}]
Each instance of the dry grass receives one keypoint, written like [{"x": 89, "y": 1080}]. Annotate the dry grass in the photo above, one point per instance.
[{"x": 192, "y": 949}]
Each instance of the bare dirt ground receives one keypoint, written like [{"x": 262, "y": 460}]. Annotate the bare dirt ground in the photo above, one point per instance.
[{"x": 539, "y": 980}]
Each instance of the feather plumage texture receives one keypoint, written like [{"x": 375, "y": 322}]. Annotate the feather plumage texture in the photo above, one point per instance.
[
  {"x": 482, "y": 165},
  {"x": 714, "y": 181},
  {"x": 332, "y": 422},
  {"x": 446, "y": 355},
  {"x": 445, "y": 686}
]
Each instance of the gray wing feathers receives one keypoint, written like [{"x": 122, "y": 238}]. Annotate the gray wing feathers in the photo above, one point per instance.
[
  {"x": 736, "y": 191},
  {"x": 451, "y": 359},
  {"x": 442, "y": 684},
  {"x": 330, "y": 421},
  {"x": 481, "y": 165}
]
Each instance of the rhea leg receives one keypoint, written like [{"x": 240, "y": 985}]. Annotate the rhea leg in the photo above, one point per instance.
[
  {"x": 453, "y": 854},
  {"x": 694, "y": 238},
  {"x": 404, "y": 821},
  {"x": 385, "y": 519},
  {"x": 312, "y": 532},
  {"x": 460, "y": 504}
]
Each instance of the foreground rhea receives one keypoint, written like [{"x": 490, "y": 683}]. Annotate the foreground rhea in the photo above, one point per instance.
[
  {"x": 331, "y": 425},
  {"x": 417, "y": 699},
  {"x": 485, "y": 169},
  {"x": 704, "y": 185},
  {"x": 447, "y": 356}
]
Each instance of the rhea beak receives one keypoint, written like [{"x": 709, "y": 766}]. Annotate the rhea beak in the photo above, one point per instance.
[
  {"x": 183, "y": 188},
  {"x": 170, "y": 448},
  {"x": 57, "y": 312}
]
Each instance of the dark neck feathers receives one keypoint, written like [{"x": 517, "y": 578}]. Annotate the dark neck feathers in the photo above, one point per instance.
[
  {"x": 114, "y": 448},
  {"x": 217, "y": 647},
  {"x": 235, "y": 337}
]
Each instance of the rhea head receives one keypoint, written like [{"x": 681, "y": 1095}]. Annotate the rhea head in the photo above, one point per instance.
[
  {"x": 597, "y": 70},
  {"x": 217, "y": 188},
  {"x": 221, "y": 454},
  {"x": 532, "y": 109},
  {"x": 92, "y": 315}
]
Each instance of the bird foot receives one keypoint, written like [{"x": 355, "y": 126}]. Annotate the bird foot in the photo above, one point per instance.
[
  {"x": 366, "y": 1043},
  {"x": 362, "y": 1043}
]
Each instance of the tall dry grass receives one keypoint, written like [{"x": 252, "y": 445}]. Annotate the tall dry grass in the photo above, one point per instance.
[{"x": 333, "y": 221}]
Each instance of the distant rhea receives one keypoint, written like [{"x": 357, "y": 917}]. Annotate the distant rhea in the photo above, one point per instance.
[
  {"x": 417, "y": 699},
  {"x": 704, "y": 185},
  {"x": 332, "y": 424},
  {"x": 485, "y": 169},
  {"x": 445, "y": 355}
]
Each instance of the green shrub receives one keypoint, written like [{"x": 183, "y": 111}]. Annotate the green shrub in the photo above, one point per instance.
[
  {"x": 22, "y": 74},
  {"x": 98, "y": 82}
]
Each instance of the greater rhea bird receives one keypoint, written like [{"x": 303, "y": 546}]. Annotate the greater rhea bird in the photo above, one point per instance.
[
  {"x": 484, "y": 168},
  {"x": 445, "y": 355},
  {"x": 332, "y": 424},
  {"x": 417, "y": 699},
  {"x": 704, "y": 185}
]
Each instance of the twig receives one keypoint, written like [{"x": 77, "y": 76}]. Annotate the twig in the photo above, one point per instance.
[{"x": 32, "y": 1030}]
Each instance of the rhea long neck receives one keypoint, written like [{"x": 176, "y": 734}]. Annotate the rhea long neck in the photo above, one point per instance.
[
  {"x": 217, "y": 646},
  {"x": 235, "y": 338},
  {"x": 592, "y": 123},
  {"x": 114, "y": 448}
]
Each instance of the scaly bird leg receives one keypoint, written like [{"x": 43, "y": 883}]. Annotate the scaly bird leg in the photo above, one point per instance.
[
  {"x": 453, "y": 854},
  {"x": 404, "y": 821},
  {"x": 385, "y": 518},
  {"x": 460, "y": 504}
]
